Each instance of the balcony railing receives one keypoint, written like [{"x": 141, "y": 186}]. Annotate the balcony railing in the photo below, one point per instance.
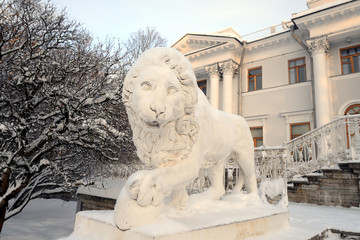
[
  {"x": 275, "y": 29},
  {"x": 270, "y": 167},
  {"x": 271, "y": 174}
]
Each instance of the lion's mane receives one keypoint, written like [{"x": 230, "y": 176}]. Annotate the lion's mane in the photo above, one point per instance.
[{"x": 172, "y": 144}]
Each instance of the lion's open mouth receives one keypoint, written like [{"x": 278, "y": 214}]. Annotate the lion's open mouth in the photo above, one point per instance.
[{"x": 153, "y": 124}]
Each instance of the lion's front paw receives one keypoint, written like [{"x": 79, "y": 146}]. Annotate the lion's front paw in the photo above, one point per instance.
[{"x": 144, "y": 187}]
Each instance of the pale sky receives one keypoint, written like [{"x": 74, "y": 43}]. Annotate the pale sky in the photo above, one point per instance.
[{"x": 174, "y": 18}]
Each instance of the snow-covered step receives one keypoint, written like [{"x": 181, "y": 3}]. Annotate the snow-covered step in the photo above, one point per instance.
[{"x": 337, "y": 185}]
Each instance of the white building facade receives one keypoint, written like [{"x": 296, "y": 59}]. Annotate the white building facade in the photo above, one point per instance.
[{"x": 287, "y": 82}]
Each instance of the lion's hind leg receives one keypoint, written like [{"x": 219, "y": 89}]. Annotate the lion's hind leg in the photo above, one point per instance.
[
  {"x": 245, "y": 159},
  {"x": 216, "y": 177},
  {"x": 240, "y": 181}
]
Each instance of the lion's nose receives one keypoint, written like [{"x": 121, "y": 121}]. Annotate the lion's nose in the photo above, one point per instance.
[{"x": 158, "y": 110}]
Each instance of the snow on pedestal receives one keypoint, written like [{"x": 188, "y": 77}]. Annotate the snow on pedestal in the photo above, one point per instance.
[{"x": 234, "y": 217}]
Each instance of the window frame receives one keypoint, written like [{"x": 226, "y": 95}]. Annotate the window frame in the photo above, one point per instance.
[
  {"x": 347, "y": 127},
  {"x": 349, "y": 56},
  {"x": 297, "y": 70},
  {"x": 297, "y": 124},
  {"x": 304, "y": 151},
  {"x": 201, "y": 88},
  {"x": 254, "y": 76},
  {"x": 257, "y": 138},
  {"x": 350, "y": 107}
]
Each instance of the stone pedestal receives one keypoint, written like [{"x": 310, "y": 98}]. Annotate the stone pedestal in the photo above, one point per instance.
[{"x": 216, "y": 222}]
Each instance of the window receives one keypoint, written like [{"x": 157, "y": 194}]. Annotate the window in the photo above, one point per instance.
[
  {"x": 257, "y": 134},
  {"x": 202, "y": 86},
  {"x": 254, "y": 79},
  {"x": 298, "y": 129},
  {"x": 297, "y": 70},
  {"x": 350, "y": 59},
  {"x": 353, "y": 109}
]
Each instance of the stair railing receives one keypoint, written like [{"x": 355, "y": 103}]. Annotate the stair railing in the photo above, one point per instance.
[{"x": 336, "y": 141}]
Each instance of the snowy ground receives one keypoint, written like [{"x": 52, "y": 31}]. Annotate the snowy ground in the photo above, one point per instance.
[
  {"x": 307, "y": 220},
  {"x": 41, "y": 219},
  {"x": 53, "y": 219}
]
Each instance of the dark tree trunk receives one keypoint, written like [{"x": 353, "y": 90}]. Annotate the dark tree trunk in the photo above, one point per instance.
[
  {"x": 3, "y": 204},
  {"x": 2, "y": 216}
]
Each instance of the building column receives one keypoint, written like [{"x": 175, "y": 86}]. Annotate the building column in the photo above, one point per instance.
[
  {"x": 318, "y": 48},
  {"x": 228, "y": 70},
  {"x": 213, "y": 72}
]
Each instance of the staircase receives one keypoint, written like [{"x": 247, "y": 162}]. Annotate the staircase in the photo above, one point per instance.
[
  {"x": 332, "y": 186},
  {"x": 323, "y": 166}
]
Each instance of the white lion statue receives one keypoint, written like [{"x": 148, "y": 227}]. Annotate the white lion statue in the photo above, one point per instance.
[{"x": 176, "y": 133}]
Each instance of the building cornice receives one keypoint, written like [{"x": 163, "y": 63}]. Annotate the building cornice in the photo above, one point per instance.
[
  {"x": 269, "y": 42},
  {"x": 202, "y": 50},
  {"x": 214, "y": 50},
  {"x": 257, "y": 121},
  {"x": 205, "y": 37},
  {"x": 318, "y": 9},
  {"x": 342, "y": 77},
  {"x": 297, "y": 113},
  {"x": 277, "y": 88},
  {"x": 323, "y": 16},
  {"x": 257, "y": 117},
  {"x": 298, "y": 116}
]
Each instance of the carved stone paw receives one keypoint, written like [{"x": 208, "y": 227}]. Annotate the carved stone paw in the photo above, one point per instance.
[
  {"x": 144, "y": 187},
  {"x": 212, "y": 193},
  {"x": 180, "y": 199}
]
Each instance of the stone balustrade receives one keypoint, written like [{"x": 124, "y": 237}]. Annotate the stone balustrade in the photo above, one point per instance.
[{"x": 334, "y": 142}]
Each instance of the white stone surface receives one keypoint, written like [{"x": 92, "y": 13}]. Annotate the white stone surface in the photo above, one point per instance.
[
  {"x": 177, "y": 132},
  {"x": 234, "y": 217}
]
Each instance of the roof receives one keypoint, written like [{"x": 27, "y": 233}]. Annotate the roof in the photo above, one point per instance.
[
  {"x": 211, "y": 35},
  {"x": 320, "y": 8}
]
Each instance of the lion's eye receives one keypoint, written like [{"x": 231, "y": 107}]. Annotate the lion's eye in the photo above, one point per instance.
[
  {"x": 172, "y": 90},
  {"x": 146, "y": 86}
]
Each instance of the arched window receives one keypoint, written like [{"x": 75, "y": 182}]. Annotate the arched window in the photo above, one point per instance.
[{"x": 353, "y": 109}]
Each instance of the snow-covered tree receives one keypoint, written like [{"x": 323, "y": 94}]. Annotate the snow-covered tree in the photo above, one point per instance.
[
  {"x": 61, "y": 114},
  {"x": 141, "y": 40}
]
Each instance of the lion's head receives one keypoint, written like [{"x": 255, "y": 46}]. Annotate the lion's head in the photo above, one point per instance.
[{"x": 160, "y": 95}]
